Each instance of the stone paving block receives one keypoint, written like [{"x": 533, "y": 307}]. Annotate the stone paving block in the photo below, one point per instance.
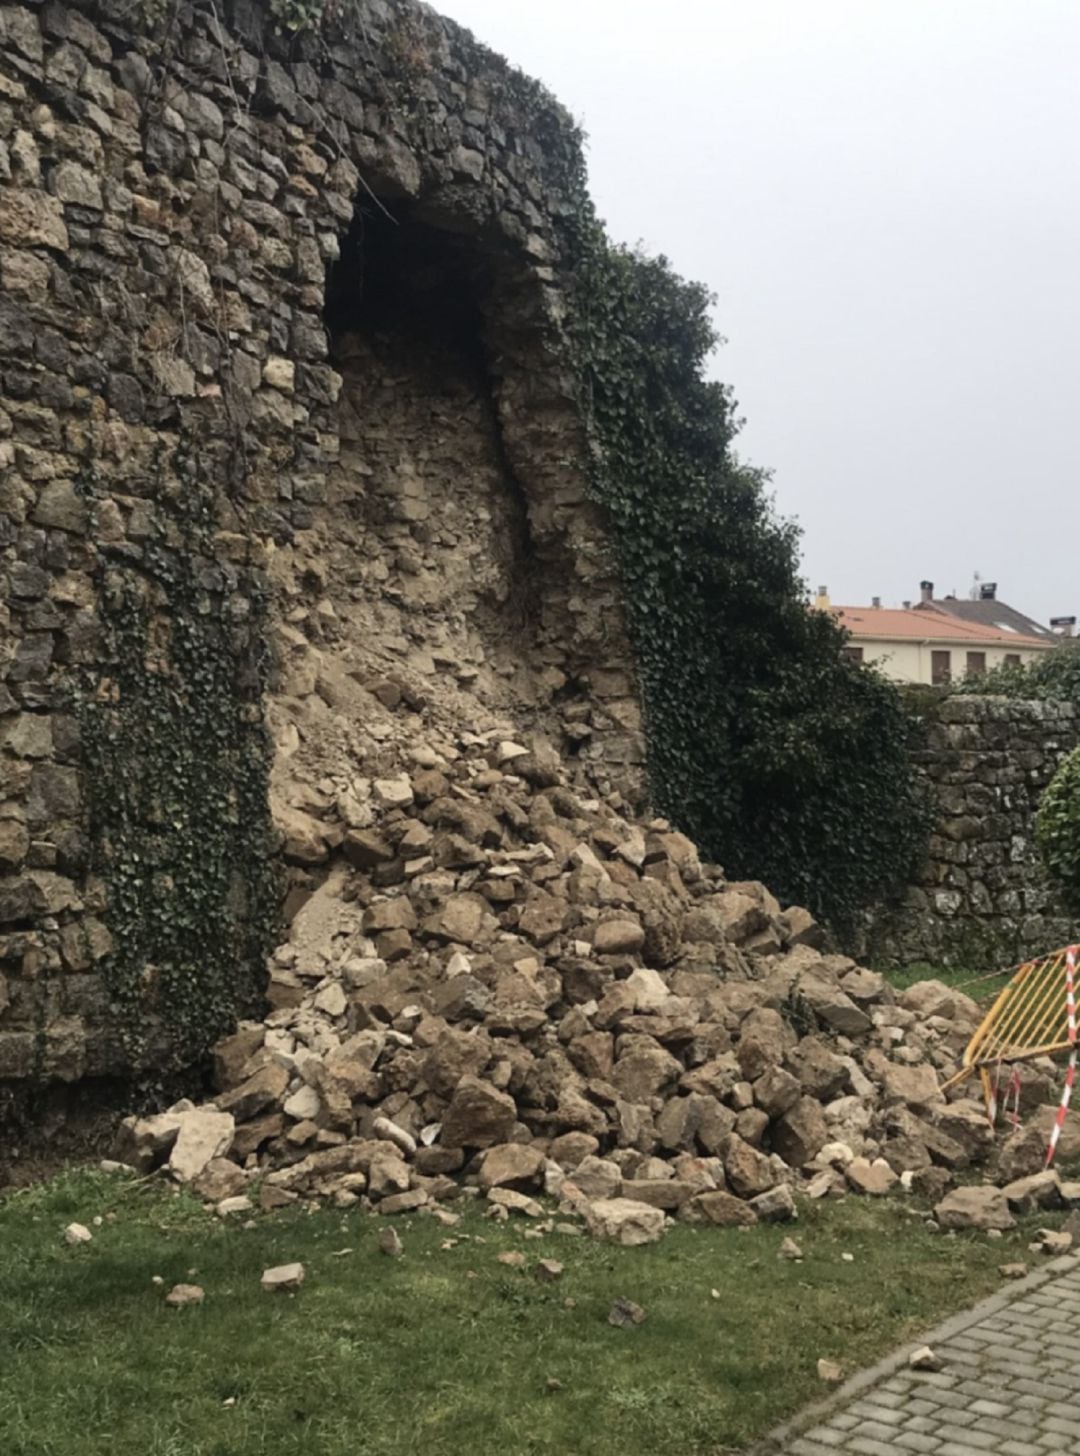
[
  {"x": 1014, "y": 1430},
  {"x": 973, "y": 1437},
  {"x": 961, "y": 1448},
  {"x": 827, "y": 1436},
  {"x": 1007, "y": 1388},
  {"x": 875, "y": 1431},
  {"x": 866, "y": 1446},
  {"x": 913, "y": 1441},
  {"x": 922, "y": 1425}
]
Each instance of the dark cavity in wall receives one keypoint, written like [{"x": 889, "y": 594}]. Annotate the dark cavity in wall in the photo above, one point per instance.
[{"x": 404, "y": 293}]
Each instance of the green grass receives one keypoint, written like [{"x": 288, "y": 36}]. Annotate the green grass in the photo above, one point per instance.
[
  {"x": 415, "y": 1355},
  {"x": 904, "y": 976}
]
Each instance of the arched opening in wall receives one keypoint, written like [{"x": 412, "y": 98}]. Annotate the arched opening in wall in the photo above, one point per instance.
[{"x": 423, "y": 494}]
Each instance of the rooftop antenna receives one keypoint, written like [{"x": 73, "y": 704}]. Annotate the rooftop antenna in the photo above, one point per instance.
[{"x": 973, "y": 594}]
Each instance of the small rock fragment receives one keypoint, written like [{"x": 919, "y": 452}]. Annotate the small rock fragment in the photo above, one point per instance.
[
  {"x": 1053, "y": 1242},
  {"x": 283, "y": 1278},
  {"x": 925, "y": 1359},
  {"x": 624, "y": 1314},
  {"x": 548, "y": 1270},
  {"x": 789, "y": 1249},
  {"x": 382, "y": 1127},
  {"x": 230, "y": 1207},
  {"x": 184, "y": 1294},
  {"x": 390, "y": 1242},
  {"x": 77, "y": 1233},
  {"x": 830, "y": 1371}
]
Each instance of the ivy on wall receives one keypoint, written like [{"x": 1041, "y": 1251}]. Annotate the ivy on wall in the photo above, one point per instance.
[
  {"x": 1052, "y": 676},
  {"x": 176, "y": 770},
  {"x": 1057, "y": 827},
  {"x": 784, "y": 760}
]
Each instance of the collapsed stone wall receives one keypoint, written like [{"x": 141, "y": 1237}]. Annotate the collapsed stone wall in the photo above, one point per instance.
[
  {"x": 981, "y": 896},
  {"x": 288, "y": 442}
]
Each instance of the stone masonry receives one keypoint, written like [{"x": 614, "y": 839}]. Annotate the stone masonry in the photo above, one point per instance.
[
  {"x": 981, "y": 898},
  {"x": 210, "y": 374}
]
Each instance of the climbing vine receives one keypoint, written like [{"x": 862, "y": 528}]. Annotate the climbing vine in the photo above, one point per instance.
[
  {"x": 176, "y": 770},
  {"x": 786, "y": 761},
  {"x": 1052, "y": 676},
  {"x": 1057, "y": 827}
]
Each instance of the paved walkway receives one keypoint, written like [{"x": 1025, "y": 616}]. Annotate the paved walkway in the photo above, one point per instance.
[{"x": 1008, "y": 1386}]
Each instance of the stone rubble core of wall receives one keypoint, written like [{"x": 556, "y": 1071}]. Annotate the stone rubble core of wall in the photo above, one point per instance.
[
  {"x": 508, "y": 990},
  {"x": 982, "y": 897},
  {"x": 377, "y": 477}
]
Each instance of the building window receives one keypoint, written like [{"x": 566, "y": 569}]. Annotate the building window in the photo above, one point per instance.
[
  {"x": 976, "y": 664},
  {"x": 1012, "y": 659},
  {"x": 940, "y": 667},
  {"x": 853, "y": 654}
]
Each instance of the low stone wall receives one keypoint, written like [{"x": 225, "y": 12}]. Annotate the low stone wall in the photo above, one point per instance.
[{"x": 981, "y": 897}]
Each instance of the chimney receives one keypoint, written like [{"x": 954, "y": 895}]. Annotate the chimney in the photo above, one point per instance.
[
  {"x": 822, "y": 601},
  {"x": 875, "y": 601},
  {"x": 926, "y": 591},
  {"x": 907, "y": 606},
  {"x": 988, "y": 591},
  {"x": 1063, "y": 626}
]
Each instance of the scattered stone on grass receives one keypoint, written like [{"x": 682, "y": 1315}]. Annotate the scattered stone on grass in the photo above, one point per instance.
[
  {"x": 623, "y": 1221},
  {"x": 1053, "y": 1242},
  {"x": 390, "y": 1242},
  {"x": 975, "y": 1207},
  {"x": 624, "y": 1314},
  {"x": 181, "y": 1295},
  {"x": 283, "y": 1278}
]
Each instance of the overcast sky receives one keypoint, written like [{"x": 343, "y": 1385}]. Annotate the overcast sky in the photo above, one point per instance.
[{"x": 883, "y": 194}]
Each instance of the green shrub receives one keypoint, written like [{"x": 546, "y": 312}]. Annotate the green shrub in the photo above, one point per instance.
[
  {"x": 1057, "y": 826},
  {"x": 1053, "y": 675}
]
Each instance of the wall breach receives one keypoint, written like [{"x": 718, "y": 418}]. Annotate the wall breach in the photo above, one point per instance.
[{"x": 291, "y": 470}]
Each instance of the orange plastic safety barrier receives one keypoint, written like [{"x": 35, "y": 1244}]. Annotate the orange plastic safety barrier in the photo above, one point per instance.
[{"x": 1029, "y": 1019}]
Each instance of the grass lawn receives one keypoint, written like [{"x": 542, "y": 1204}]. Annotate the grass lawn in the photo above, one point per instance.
[
  {"x": 442, "y": 1350},
  {"x": 904, "y": 976}
]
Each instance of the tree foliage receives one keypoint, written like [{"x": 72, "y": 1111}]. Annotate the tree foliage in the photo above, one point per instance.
[
  {"x": 783, "y": 759},
  {"x": 1053, "y": 675},
  {"x": 1057, "y": 826}
]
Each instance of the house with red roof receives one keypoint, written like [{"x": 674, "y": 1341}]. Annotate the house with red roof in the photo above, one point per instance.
[{"x": 934, "y": 643}]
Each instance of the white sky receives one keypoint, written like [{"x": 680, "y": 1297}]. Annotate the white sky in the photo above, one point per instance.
[{"x": 884, "y": 196}]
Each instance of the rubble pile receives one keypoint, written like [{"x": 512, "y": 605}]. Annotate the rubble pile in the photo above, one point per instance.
[{"x": 503, "y": 989}]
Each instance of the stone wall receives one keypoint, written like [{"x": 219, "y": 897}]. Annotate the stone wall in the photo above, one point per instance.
[
  {"x": 981, "y": 899},
  {"x": 235, "y": 498}
]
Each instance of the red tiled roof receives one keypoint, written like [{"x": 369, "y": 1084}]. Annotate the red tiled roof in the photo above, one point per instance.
[{"x": 901, "y": 623}]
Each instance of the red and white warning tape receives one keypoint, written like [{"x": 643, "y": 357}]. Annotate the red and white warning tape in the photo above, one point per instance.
[
  {"x": 1012, "y": 1095},
  {"x": 1070, "y": 1070}
]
